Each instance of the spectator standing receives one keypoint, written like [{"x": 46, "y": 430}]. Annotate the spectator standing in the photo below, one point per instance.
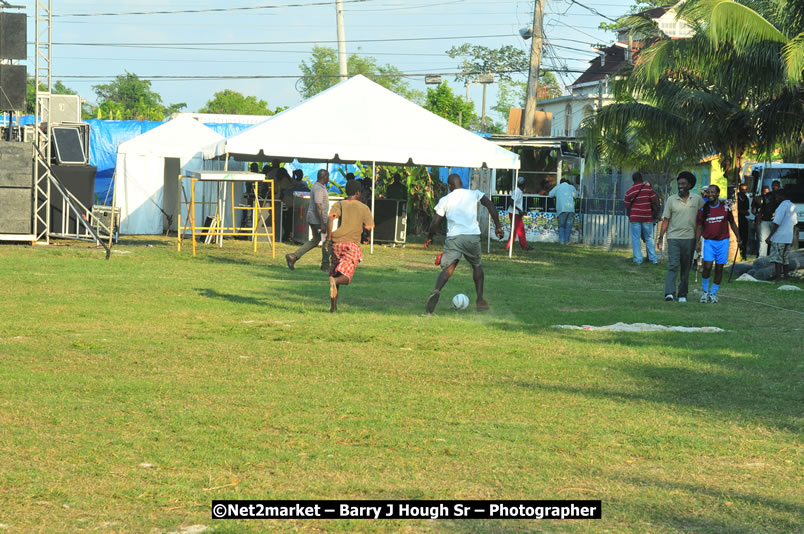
[
  {"x": 639, "y": 201},
  {"x": 317, "y": 219},
  {"x": 298, "y": 181},
  {"x": 743, "y": 210},
  {"x": 765, "y": 209},
  {"x": 517, "y": 208},
  {"x": 565, "y": 195},
  {"x": 679, "y": 221},
  {"x": 713, "y": 222},
  {"x": 396, "y": 189},
  {"x": 780, "y": 239}
]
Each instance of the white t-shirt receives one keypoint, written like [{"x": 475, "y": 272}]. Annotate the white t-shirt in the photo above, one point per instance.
[
  {"x": 787, "y": 219},
  {"x": 517, "y": 199},
  {"x": 460, "y": 209}
]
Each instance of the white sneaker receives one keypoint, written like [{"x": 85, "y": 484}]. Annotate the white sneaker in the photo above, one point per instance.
[
  {"x": 669, "y": 297},
  {"x": 705, "y": 297},
  {"x": 682, "y": 299},
  {"x": 713, "y": 299}
]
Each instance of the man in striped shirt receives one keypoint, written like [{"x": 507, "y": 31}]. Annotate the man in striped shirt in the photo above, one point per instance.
[{"x": 638, "y": 201}]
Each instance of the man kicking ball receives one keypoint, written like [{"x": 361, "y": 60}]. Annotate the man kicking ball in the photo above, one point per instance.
[
  {"x": 463, "y": 236},
  {"x": 714, "y": 219},
  {"x": 355, "y": 216}
]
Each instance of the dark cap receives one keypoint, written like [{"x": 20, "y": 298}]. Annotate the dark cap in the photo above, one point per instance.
[{"x": 687, "y": 175}]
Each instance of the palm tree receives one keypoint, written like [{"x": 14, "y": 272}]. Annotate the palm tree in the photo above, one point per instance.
[{"x": 719, "y": 91}]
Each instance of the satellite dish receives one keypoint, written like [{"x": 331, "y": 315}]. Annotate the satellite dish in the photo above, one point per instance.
[{"x": 526, "y": 33}]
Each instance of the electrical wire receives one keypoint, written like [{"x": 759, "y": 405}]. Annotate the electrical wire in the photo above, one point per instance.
[
  {"x": 319, "y": 41},
  {"x": 208, "y": 10}
]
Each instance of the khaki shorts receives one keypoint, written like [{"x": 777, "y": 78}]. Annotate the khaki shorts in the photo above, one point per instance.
[
  {"x": 467, "y": 246},
  {"x": 779, "y": 252}
]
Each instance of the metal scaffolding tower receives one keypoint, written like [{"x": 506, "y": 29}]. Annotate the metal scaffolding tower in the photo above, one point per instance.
[{"x": 42, "y": 137}]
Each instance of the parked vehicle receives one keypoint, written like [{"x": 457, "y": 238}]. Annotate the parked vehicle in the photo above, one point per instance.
[{"x": 791, "y": 179}]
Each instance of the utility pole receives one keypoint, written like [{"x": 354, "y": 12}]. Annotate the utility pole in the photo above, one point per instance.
[
  {"x": 341, "y": 41},
  {"x": 533, "y": 74}
]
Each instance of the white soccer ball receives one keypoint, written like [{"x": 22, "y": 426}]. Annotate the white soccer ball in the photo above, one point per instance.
[{"x": 460, "y": 301}]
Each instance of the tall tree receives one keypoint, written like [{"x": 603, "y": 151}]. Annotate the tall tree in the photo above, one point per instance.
[
  {"x": 709, "y": 94},
  {"x": 129, "y": 97},
  {"x": 322, "y": 73},
  {"x": 504, "y": 62},
  {"x": 444, "y": 103},
  {"x": 234, "y": 103}
]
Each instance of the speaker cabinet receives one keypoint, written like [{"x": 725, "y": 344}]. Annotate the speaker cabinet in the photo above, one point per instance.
[
  {"x": 13, "y": 36},
  {"x": 16, "y": 187},
  {"x": 12, "y": 83},
  {"x": 78, "y": 180},
  {"x": 391, "y": 220}
]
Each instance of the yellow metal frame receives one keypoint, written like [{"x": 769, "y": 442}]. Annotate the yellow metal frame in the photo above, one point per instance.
[{"x": 217, "y": 229}]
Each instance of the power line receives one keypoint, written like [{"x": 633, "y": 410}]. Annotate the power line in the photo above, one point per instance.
[
  {"x": 174, "y": 77},
  {"x": 592, "y": 10},
  {"x": 208, "y": 10},
  {"x": 319, "y": 41}
]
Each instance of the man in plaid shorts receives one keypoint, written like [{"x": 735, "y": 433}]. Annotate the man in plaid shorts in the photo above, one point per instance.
[{"x": 354, "y": 217}]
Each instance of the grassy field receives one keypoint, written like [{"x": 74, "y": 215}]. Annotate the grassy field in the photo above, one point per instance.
[{"x": 135, "y": 391}]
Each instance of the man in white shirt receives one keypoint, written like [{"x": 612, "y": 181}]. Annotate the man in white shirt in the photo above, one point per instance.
[
  {"x": 565, "y": 195},
  {"x": 780, "y": 240},
  {"x": 463, "y": 236},
  {"x": 515, "y": 212}
]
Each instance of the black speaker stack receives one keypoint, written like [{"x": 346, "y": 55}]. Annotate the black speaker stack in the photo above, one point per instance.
[
  {"x": 13, "y": 45},
  {"x": 16, "y": 157}
]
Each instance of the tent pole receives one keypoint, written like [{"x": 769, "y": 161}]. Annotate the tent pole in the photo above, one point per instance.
[
  {"x": 114, "y": 199},
  {"x": 488, "y": 230},
  {"x": 513, "y": 216},
  {"x": 373, "y": 182}
]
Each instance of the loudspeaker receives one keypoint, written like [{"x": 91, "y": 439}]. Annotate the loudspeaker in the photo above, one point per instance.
[
  {"x": 78, "y": 180},
  {"x": 391, "y": 220},
  {"x": 69, "y": 147},
  {"x": 16, "y": 187},
  {"x": 16, "y": 164},
  {"x": 13, "y": 36},
  {"x": 63, "y": 108},
  {"x": 12, "y": 87}
]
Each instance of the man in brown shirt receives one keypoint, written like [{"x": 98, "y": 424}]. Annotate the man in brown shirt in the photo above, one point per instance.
[{"x": 354, "y": 217}]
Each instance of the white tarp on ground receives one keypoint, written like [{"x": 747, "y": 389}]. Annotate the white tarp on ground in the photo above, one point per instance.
[
  {"x": 140, "y": 171},
  {"x": 359, "y": 120},
  {"x": 640, "y": 327}
]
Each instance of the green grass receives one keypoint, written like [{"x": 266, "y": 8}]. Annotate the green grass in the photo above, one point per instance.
[{"x": 227, "y": 374}]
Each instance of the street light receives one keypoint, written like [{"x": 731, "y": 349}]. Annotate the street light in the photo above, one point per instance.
[{"x": 485, "y": 79}]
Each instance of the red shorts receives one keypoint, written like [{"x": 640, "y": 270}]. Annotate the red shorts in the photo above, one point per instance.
[{"x": 346, "y": 258}]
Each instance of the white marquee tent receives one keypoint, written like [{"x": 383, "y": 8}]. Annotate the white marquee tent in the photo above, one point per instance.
[
  {"x": 148, "y": 167},
  {"x": 359, "y": 120}
]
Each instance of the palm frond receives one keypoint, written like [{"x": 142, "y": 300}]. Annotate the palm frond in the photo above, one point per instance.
[
  {"x": 740, "y": 25},
  {"x": 793, "y": 53}
]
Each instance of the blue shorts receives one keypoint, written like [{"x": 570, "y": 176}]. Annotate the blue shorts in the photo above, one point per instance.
[{"x": 716, "y": 251}]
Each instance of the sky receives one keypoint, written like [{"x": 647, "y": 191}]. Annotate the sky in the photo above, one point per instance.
[{"x": 94, "y": 41}]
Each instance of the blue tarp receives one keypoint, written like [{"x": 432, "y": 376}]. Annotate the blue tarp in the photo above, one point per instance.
[{"x": 106, "y": 136}]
